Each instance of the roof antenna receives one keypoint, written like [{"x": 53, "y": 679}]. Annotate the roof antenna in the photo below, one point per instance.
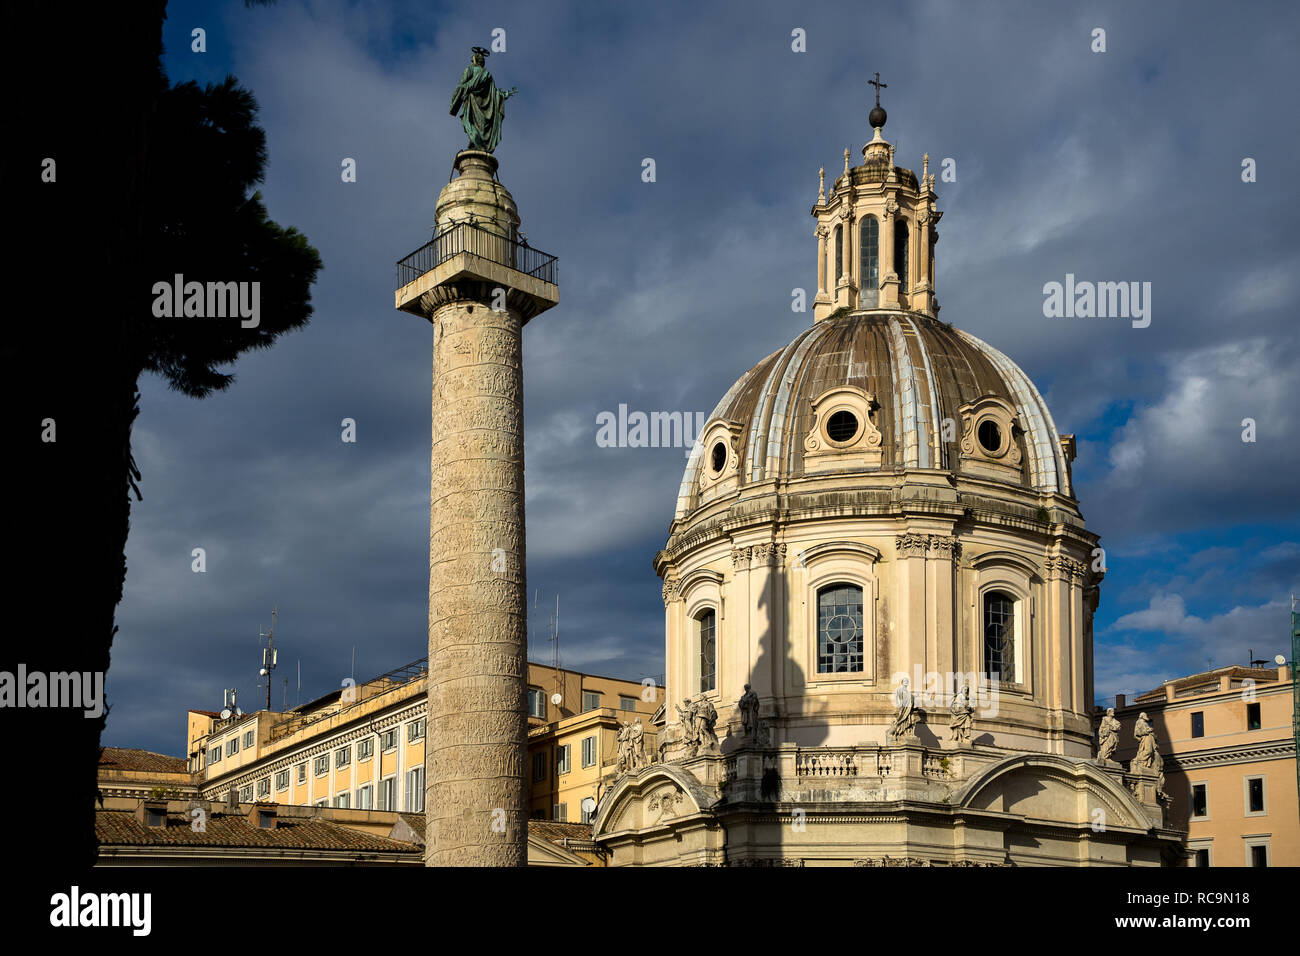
[
  {"x": 229, "y": 707},
  {"x": 270, "y": 656}
]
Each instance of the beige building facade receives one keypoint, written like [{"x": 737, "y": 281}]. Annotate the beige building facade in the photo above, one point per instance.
[
  {"x": 363, "y": 746},
  {"x": 1228, "y": 744},
  {"x": 878, "y": 595}
]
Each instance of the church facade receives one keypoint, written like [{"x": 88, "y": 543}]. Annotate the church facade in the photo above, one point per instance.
[{"x": 878, "y": 591}]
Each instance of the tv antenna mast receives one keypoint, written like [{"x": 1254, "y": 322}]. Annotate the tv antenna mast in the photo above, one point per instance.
[
  {"x": 557, "y": 698},
  {"x": 229, "y": 708},
  {"x": 270, "y": 657}
]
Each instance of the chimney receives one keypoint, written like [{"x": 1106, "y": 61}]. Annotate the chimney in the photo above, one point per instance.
[{"x": 232, "y": 800}]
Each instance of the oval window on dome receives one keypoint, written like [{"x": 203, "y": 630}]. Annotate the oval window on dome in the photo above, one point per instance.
[
  {"x": 842, "y": 426},
  {"x": 719, "y": 457},
  {"x": 990, "y": 436}
]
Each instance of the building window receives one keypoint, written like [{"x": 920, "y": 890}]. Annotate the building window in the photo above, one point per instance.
[
  {"x": 246, "y": 793},
  {"x": 342, "y": 757},
  {"x": 589, "y": 751},
  {"x": 342, "y": 800},
  {"x": 1200, "y": 801},
  {"x": 415, "y": 790},
  {"x": 934, "y": 235},
  {"x": 365, "y": 748},
  {"x": 388, "y": 793},
  {"x": 999, "y": 636},
  {"x": 322, "y": 765},
  {"x": 1201, "y": 856},
  {"x": 323, "y": 802},
  {"x": 562, "y": 759},
  {"x": 1255, "y": 796},
  {"x": 302, "y": 772},
  {"x": 1198, "y": 723},
  {"x": 539, "y": 765},
  {"x": 561, "y": 814},
  {"x": 415, "y": 730},
  {"x": 365, "y": 797},
  {"x": 536, "y": 703},
  {"x": 1258, "y": 854},
  {"x": 839, "y": 252},
  {"x": 264, "y": 787},
  {"x": 248, "y": 740},
  {"x": 900, "y": 254},
  {"x": 389, "y": 740},
  {"x": 839, "y": 629},
  {"x": 708, "y": 626},
  {"x": 626, "y": 703},
  {"x": 232, "y": 746},
  {"x": 1252, "y": 717},
  {"x": 282, "y": 780},
  {"x": 870, "y": 246},
  {"x": 590, "y": 700},
  {"x": 214, "y": 754}
]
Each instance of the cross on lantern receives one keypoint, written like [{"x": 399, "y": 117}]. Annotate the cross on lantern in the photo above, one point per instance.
[{"x": 879, "y": 86}]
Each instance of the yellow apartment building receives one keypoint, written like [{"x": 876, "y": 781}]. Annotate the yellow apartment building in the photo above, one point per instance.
[
  {"x": 362, "y": 746},
  {"x": 1228, "y": 741}
]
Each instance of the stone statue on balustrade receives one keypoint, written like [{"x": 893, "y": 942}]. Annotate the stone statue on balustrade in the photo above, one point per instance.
[
  {"x": 907, "y": 714},
  {"x": 631, "y": 747},
  {"x": 748, "y": 706},
  {"x": 1107, "y": 737},
  {"x": 698, "y": 720},
  {"x": 1148, "y": 757},
  {"x": 959, "y": 724}
]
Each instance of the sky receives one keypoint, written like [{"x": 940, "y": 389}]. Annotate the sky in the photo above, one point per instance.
[{"x": 1122, "y": 165}]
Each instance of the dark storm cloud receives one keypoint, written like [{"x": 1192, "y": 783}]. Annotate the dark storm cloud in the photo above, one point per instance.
[{"x": 1116, "y": 166}]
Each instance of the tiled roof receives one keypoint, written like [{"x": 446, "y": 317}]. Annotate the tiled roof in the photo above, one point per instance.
[
  {"x": 120, "y": 828},
  {"x": 553, "y": 831},
  {"x": 548, "y": 830},
  {"x": 206, "y": 713},
  {"x": 123, "y": 758}
]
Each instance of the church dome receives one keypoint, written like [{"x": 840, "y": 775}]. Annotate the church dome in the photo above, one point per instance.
[{"x": 878, "y": 392}]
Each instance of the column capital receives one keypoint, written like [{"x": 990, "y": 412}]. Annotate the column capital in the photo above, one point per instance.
[
  {"x": 1061, "y": 567},
  {"x": 911, "y": 544},
  {"x": 671, "y": 592}
]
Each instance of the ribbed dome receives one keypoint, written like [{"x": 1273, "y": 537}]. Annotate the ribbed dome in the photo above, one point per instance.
[{"x": 918, "y": 369}]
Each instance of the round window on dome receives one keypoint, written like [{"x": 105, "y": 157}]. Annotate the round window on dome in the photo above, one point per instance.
[
  {"x": 719, "y": 457},
  {"x": 842, "y": 426},
  {"x": 990, "y": 436}
]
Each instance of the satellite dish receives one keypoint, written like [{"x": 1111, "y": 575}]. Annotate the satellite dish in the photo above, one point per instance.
[
  {"x": 1279, "y": 660},
  {"x": 262, "y": 672},
  {"x": 225, "y": 714},
  {"x": 588, "y": 805},
  {"x": 556, "y": 698}
]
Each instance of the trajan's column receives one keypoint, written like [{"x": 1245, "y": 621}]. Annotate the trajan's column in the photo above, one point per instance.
[{"x": 478, "y": 282}]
